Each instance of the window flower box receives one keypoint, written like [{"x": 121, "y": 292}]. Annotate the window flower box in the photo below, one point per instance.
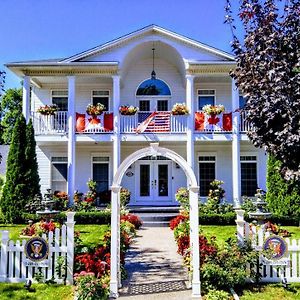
[
  {"x": 95, "y": 110},
  {"x": 48, "y": 110},
  {"x": 213, "y": 110},
  {"x": 126, "y": 110},
  {"x": 180, "y": 109}
]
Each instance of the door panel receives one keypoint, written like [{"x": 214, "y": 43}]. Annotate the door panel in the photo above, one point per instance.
[{"x": 153, "y": 182}]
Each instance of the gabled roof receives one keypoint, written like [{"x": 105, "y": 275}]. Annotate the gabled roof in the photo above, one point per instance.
[{"x": 149, "y": 29}]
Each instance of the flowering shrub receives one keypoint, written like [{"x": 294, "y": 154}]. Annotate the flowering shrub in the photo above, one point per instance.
[
  {"x": 87, "y": 201},
  {"x": 39, "y": 228},
  {"x": 133, "y": 219},
  {"x": 61, "y": 200},
  {"x": 182, "y": 196},
  {"x": 177, "y": 220},
  {"x": 47, "y": 110},
  {"x": 213, "y": 109},
  {"x": 124, "y": 196},
  {"x": 274, "y": 228},
  {"x": 95, "y": 110},
  {"x": 88, "y": 287},
  {"x": 180, "y": 109},
  {"x": 128, "y": 110}
]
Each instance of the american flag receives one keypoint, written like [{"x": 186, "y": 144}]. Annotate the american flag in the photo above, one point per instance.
[{"x": 154, "y": 122}]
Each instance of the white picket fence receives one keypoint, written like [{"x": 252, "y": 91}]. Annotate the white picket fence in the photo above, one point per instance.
[
  {"x": 269, "y": 272},
  {"x": 13, "y": 266}
]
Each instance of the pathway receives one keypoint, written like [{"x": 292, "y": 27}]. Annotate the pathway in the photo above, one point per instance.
[{"x": 155, "y": 270}]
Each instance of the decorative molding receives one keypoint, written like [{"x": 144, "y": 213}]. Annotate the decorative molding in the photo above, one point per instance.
[{"x": 60, "y": 72}]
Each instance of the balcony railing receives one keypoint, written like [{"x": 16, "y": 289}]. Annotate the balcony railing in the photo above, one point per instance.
[
  {"x": 164, "y": 122},
  {"x": 50, "y": 124}
]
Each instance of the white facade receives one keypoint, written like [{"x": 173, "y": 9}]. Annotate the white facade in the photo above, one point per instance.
[{"x": 114, "y": 71}]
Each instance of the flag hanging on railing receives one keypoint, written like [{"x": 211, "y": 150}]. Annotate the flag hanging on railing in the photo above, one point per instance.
[{"x": 156, "y": 122}]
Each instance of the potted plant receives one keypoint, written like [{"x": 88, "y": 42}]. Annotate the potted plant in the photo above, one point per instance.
[
  {"x": 127, "y": 110},
  {"x": 95, "y": 110},
  {"x": 180, "y": 109},
  {"x": 213, "y": 110},
  {"x": 47, "y": 110}
]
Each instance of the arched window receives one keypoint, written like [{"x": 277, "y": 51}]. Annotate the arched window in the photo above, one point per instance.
[{"x": 153, "y": 87}]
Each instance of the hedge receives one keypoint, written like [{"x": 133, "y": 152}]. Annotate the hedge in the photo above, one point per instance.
[{"x": 217, "y": 219}]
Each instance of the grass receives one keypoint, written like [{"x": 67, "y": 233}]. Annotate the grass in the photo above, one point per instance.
[
  {"x": 222, "y": 233},
  {"x": 39, "y": 291},
  {"x": 271, "y": 292},
  {"x": 89, "y": 234}
]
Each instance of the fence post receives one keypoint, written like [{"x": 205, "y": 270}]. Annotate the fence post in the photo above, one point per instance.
[
  {"x": 4, "y": 255},
  {"x": 70, "y": 246},
  {"x": 240, "y": 226}
]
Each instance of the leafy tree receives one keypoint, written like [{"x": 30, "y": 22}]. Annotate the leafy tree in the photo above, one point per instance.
[
  {"x": 283, "y": 197},
  {"x": 31, "y": 165},
  {"x": 14, "y": 197},
  {"x": 10, "y": 110},
  {"x": 267, "y": 73}
]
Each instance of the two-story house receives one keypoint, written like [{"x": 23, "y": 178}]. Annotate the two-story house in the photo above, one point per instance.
[{"x": 152, "y": 69}]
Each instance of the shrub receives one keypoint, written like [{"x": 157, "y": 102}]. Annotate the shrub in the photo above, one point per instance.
[
  {"x": 2, "y": 181},
  {"x": 283, "y": 197},
  {"x": 217, "y": 295},
  {"x": 177, "y": 220},
  {"x": 217, "y": 219},
  {"x": 133, "y": 219},
  {"x": 124, "y": 197},
  {"x": 182, "y": 196},
  {"x": 88, "y": 287}
]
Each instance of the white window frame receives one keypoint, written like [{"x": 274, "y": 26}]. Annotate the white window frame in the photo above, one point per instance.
[
  {"x": 109, "y": 162},
  {"x": 201, "y": 154},
  {"x": 208, "y": 89},
  {"x": 102, "y": 90},
  {"x": 61, "y": 155}
]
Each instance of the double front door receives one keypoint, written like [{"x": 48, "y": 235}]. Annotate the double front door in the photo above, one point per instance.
[{"x": 153, "y": 182}]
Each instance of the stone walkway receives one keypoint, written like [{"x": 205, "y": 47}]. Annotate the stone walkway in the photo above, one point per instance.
[{"x": 155, "y": 270}]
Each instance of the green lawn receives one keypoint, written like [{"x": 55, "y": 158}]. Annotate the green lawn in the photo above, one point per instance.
[
  {"x": 16, "y": 291},
  {"x": 272, "y": 292},
  {"x": 222, "y": 233},
  {"x": 89, "y": 234}
]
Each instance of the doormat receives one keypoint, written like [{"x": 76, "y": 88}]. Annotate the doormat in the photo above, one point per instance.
[{"x": 157, "y": 287}]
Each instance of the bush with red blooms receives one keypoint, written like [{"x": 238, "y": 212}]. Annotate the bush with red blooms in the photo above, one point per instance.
[
  {"x": 274, "y": 228},
  {"x": 177, "y": 220},
  {"x": 133, "y": 219},
  {"x": 39, "y": 228}
]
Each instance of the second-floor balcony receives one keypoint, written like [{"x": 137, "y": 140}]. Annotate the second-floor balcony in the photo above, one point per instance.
[{"x": 140, "y": 123}]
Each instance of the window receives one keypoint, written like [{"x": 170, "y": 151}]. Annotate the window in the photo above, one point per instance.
[
  {"x": 248, "y": 175},
  {"x": 242, "y": 101},
  {"x": 101, "y": 97},
  {"x": 162, "y": 105},
  {"x": 207, "y": 173},
  {"x": 144, "y": 105},
  {"x": 59, "y": 174},
  {"x": 153, "y": 87},
  {"x": 101, "y": 173},
  {"x": 60, "y": 98},
  {"x": 205, "y": 97}
]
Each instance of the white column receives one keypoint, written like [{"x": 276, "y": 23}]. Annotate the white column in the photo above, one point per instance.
[
  {"x": 70, "y": 246},
  {"x": 26, "y": 98},
  {"x": 71, "y": 137},
  {"x": 116, "y": 138},
  {"x": 236, "y": 166},
  {"x": 194, "y": 241},
  {"x": 240, "y": 226},
  {"x": 190, "y": 120},
  {"x": 115, "y": 241}
]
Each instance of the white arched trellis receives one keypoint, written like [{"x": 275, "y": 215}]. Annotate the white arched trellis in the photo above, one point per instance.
[{"x": 153, "y": 150}]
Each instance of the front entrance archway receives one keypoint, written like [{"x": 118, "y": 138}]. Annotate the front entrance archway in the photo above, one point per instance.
[{"x": 153, "y": 150}]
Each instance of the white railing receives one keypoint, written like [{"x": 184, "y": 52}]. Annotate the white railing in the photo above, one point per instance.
[
  {"x": 50, "y": 124},
  {"x": 287, "y": 268},
  {"x": 129, "y": 124},
  {"x": 244, "y": 125},
  {"x": 14, "y": 265},
  {"x": 97, "y": 124}
]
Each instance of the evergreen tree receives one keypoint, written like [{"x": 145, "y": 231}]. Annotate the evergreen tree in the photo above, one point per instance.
[
  {"x": 14, "y": 194},
  {"x": 283, "y": 196},
  {"x": 31, "y": 165}
]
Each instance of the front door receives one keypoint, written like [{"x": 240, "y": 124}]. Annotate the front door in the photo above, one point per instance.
[{"x": 153, "y": 184}]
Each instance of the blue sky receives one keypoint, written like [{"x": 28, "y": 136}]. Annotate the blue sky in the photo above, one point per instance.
[{"x": 40, "y": 29}]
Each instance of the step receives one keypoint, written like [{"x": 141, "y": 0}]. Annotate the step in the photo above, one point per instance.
[
  {"x": 156, "y": 224},
  {"x": 156, "y": 216},
  {"x": 154, "y": 209}
]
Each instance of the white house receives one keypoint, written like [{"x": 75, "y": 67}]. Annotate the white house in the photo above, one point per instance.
[{"x": 73, "y": 146}]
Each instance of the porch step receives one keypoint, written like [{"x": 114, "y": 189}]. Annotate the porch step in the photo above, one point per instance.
[{"x": 155, "y": 216}]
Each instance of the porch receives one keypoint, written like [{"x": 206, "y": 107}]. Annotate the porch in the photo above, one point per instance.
[{"x": 162, "y": 122}]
